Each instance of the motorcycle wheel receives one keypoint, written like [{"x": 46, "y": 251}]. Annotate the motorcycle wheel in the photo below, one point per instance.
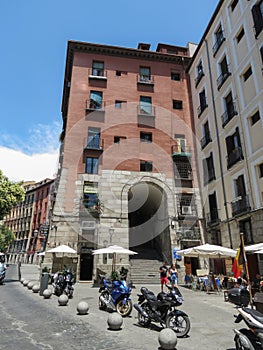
[
  {"x": 102, "y": 305},
  {"x": 178, "y": 323},
  {"x": 142, "y": 320},
  {"x": 124, "y": 309}
]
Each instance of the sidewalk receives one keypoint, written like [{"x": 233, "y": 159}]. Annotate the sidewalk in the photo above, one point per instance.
[{"x": 212, "y": 319}]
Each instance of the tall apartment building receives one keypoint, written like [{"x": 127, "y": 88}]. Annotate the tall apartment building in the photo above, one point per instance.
[
  {"x": 127, "y": 172},
  {"x": 29, "y": 221},
  {"x": 227, "y": 92}
]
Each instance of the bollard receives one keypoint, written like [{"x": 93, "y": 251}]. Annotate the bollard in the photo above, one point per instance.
[
  {"x": 43, "y": 283},
  {"x": 115, "y": 321},
  {"x": 167, "y": 339},
  {"x": 82, "y": 308}
]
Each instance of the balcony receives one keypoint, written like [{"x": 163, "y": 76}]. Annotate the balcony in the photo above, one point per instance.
[
  {"x": 179, "y": 151},
  {"x": 222, "y": 78},
  {"x": 228, "y": 115},
  {"x": 201, "y": 108},
  {"x": 209, "y": 176},
  {"x": 183, "y": 170},
  {"x": 148, "y": 111},
  {"x": 145, "y": 79},
  {"x": 199, "y": 77},
  {"x": 220, "y": 38},
  {"x": 234, "y": 156},
  {"x": 240, "y": 205},
  {"x": 100, "y": 74},
  {"x": 186, "y": 211},
  {"x": 96, "y": 144},
  {"x": 206, "y": 140},
  {"x": 191, "y": 234},
  {"x": 212, "y": 218},
  {"x": 95, "y": 106}
]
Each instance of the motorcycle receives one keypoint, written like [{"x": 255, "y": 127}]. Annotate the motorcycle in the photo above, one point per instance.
[
  {"x": 63, "y": 283},
  {"x": 162, "y": 309},
  {"x": 251, "y": 338},
  {"x": 115, "y": 295},
  {"x": 2, "y": 273}
]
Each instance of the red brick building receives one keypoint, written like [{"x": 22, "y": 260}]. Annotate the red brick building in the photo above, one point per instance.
[{"x": 127, "y": 168}]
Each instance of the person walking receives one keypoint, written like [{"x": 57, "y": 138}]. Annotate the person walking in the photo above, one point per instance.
[
  {"x": 173, "y": 274},
  {"x": 163, "y": 275}
]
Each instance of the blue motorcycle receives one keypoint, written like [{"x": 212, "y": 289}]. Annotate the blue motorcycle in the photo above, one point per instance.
[{"x": 115, "y": 295}]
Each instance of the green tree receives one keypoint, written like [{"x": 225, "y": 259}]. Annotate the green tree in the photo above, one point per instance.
[
  {"x": 6, "y": 238},
  {"x": 11, "y": 193}
]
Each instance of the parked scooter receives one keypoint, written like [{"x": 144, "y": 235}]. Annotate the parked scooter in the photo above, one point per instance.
[
  {"x": 115, "y": 295},
  {"x": 162, "y": 309},
  {"x": 2, "y": 270},
  {"x": 63, "y": 283},
  {"x": 250, "y": 338}
]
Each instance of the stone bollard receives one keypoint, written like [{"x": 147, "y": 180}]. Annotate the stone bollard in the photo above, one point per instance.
[
  {"x": 30, "y": 284},
  {"x": 22, "y": 280},
  {"x": 167, "y": 339},
  {"x": 25, "y": 282},
  {"x": 63, "y": 300},
  {"x": 115, "y": 321},
  {"x": 82, "y": 308},
  {"x": 35, "y": 288},
  {"x": 47, "y": 293}
]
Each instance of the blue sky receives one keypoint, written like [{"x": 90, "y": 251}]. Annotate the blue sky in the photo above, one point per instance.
[{"x": 34, "y": 37}]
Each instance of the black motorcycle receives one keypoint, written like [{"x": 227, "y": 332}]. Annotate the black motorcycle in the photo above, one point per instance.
[
  {"x": 250, "y": 338},
  {"x": 162, "y": 309},
  {"x": 63, "y": 283}
]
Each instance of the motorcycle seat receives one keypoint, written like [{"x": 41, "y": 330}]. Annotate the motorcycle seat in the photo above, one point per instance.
[{"x": 256, "y": 314}]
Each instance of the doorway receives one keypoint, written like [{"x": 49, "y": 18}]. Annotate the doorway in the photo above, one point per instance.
[{"x": 86, "y": 266}]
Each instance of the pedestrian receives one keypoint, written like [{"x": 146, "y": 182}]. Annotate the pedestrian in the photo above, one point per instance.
[
  {"x": 173, "y": 274},
  {"x": 163, "y": 275}
]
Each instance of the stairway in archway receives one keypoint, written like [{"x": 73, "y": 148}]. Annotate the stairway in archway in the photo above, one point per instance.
[{"x": 145, "y": 266}]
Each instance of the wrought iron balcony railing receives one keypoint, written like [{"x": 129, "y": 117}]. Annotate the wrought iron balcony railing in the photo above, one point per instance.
[
  {"x": 199, "y": 77},
  {"x": 96, "y": 73},
  {"x": 219, "y": 41},
  {"x": 145, "y": 79},
  {"x": 94, "y": 143},
  {"x": 240, "y": 205},
  {"x": 92, "y": 105},
  {"x": 228, "y": 115},
  {"x": 213, "y": 217},
  {"x": 202, "y": 107},
  {"x": 206, "y": 140},
  {"x": 222, "y": 78},
  {"x": 234, "y": 156}
]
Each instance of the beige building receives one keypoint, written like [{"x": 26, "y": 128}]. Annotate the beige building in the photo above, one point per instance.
[{"x": 227, "y": 91}]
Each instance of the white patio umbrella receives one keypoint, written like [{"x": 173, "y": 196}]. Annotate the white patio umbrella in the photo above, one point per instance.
[
  {"x": 259, "y": 251},
  {"x": 64, "y": 250},
  {"x": 1, "y": 254},
  {"x": 254, "y": 248},
  {"x": 114, "y": 249},
  {"x": 208, "y": 251}
]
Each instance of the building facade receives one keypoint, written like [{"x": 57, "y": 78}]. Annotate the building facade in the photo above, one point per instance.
[
  {"x": 127, "y": 172},
  {"x": 227, "y": 93},
  {"x": 29, "y": 221}
]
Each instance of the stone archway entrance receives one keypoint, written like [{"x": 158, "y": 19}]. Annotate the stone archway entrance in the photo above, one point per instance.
[{"x": 149, "y": 229}]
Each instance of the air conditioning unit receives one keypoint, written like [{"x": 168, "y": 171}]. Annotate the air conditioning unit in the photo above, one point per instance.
[
  {"x": 88, "y": 225},
  {"x": 186, "y": 210}
]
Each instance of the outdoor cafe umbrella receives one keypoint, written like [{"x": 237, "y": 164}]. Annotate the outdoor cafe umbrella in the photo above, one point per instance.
[
  {"x": 208, "y": 251},
  {"x": 114, "y": 249},
  {"x": 63, "y": 249}
]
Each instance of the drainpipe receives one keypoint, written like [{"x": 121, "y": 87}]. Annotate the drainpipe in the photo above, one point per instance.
[{"x": 219, "y": 147}]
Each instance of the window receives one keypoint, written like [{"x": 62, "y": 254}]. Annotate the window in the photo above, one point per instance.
[
  {"x": 234, "y": 149},
  {"x": 206, "y": 135},
  {"x": 119, "y": 104},
  {"x": 120, "y": 72},
  {"x": 95, "y": 100},
  {"x": 260, "y": 169},
  {"x": 90, "y": 195},
  {"x": 255, "y": 117},
  {"x": 246, "y": 228},
  {"x": 145, "y": 74},
  {"x": 257, "y": 13},
  {"x": 181, "y": 142},
  {"x": 223, "y": 65},
  {"x": 199, "y": 73},
  {"x": 92, "y": 165},
  {"x": 93, "y": 138},
  {"x": 118, "y": 139},
  {"x": 175, "y": 76},
  {"x": 230, "y": 109},
  {"x": 145, "y": 136},
  {"x": 213, "y": 211},
  {"x": 177, "y": 104},
  {"x": 240, "y": 35},
  {"x": 145, "y": 105},
  {"x": 203, "y": 104},
  {"x": 233, "y": 5},
  {"x": 219, "y": 38},
  {"x": 208, "y": 168},
  {"x": 146, "y": 166},
  {"x": 98, "y": 68},
  {"x": 247, "y": 73}
]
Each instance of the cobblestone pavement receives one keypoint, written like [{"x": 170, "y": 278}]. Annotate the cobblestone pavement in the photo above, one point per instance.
[{"x": 212, "y": 321}]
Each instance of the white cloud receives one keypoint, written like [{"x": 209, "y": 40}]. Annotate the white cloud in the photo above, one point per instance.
[{"x": 18, "y": 166}]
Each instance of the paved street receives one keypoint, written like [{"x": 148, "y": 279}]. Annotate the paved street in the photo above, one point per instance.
[{"x": 28, "y": 321}]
